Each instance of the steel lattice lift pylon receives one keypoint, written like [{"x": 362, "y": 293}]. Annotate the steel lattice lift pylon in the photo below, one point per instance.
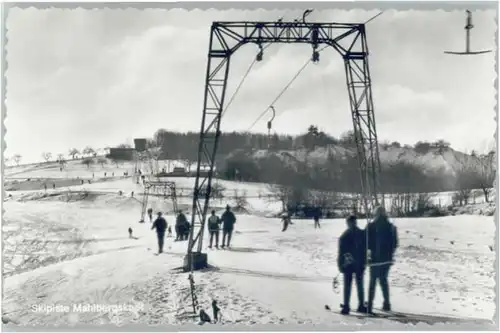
[
  {"x": 168, "y": 191},
  {"x": 348, "y": 39}
]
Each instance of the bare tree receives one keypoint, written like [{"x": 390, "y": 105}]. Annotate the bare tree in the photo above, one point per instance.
[
  {"x": 102, "y": 161},
  {"x": 61, "y": 160},
  {"x": 218, "y": 191},
  {"x": 465, "y": 180},
  {"x": 46, "y": 156},
  {"x": 73, "y": 152},
  {"x": 280, "y": 193},
  {"x": 115, "y": 161},
  {"x": 88, "y": 162},
  {"x": 17, "y": 159},
  {"x": 240, "y": 200},
  {"x": 473, "y": 173},
  {"x": 88, "y": 151},
  {"x": 485, "y": 173}
]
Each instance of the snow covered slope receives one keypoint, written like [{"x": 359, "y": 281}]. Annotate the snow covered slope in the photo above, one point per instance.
[
  {"x": 257, "y": 281},
  {"x": 61, "y": 248}
]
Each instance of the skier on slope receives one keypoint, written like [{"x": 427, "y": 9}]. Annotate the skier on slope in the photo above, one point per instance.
[
  {"x": 316, "y": 220},
  {"x": 382, "y": 243},
  {"x": 160, "y": 224},
  {"x": 213, "y": 228},
  {"x": 228, "y": 220},
  {"x": 287, "y": 220},
  {"x": 150, "y": 214},
  {"x": 351, "y": 260}
]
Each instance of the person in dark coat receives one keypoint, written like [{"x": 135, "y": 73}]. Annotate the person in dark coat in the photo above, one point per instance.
[
  {"x": 213, "y": 229},
  {"x": 351, "y": 260},
  {"x": 161, "y": 226},
  {"x": 287, "y": 220},
  {"x": 228, "y": 220},
  {"x": 187, "y": 229},
  {"x": 382, "y": 243},
  {"x": 180, "y": 226},
  {"x": 316, "y": 220}
]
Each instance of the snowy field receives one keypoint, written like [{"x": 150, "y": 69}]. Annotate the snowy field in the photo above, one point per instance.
[{"x": 64, "y": 252}]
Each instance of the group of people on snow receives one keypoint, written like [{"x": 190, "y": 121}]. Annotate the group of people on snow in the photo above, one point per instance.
[
  {"x": 182, "y": 227},
  {"x": 373, "y": 247},
  {"x": 227, "y": 219}
]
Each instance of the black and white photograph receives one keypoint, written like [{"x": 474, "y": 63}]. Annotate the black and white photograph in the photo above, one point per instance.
[{"x": 221, "y": 167}]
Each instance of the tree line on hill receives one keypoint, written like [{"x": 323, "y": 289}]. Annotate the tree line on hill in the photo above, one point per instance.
[{"x": 235, "y": 162}]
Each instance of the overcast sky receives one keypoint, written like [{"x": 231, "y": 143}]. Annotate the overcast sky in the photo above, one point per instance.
[{"x": 103, "y": 77}]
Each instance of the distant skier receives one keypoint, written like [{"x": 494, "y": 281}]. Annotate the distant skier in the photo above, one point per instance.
[
  {"x": 169, "y": 231},
  {"x": 180, "y": 226},
  {"x": 160, "y": 225},
  {"x": 228, "y": 220},
  {"x": 351, "y": 260},
  {"x": 316, "y": 220},
  {"x": 287, "y": 220},
  {"x": 150, "y": 214},
  {"x": 213, "y": 228},
  {"x": 382, "y": 243},
  {"x": 130, "y": 233}
]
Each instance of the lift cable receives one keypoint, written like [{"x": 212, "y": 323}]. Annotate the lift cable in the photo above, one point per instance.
[
  {"x": 284, "y": 89},
  {"x": 374, "y": 17},
  {"x": 295, "y": 77},
  {"x": 241, "y": 82}
]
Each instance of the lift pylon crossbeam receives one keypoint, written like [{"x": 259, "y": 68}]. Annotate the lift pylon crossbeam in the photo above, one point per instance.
[
  {"x": 349, "y": 40},
  {"x": 169, "y": 191}
]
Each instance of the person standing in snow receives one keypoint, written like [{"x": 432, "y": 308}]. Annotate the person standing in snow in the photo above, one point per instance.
[
  {"x": 213, "y": 229},
  {"x": 382, "y": 243},
  {"x": 351, "y": 260},
  {"x": 187, "y": 228},
  {"x": 316, "y": 220},
  {"x": 287, "y": 220},
  {"x": 160, "y": 224},
  {"x": 228, "y": 220},
  {"x": 180, "y": 226}
]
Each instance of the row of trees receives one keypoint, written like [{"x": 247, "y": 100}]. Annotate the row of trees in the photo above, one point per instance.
[
  {"x": 181, "y": 146},
  {"x": 74, "y": 153},
  {"x": 342, "y": 175}
]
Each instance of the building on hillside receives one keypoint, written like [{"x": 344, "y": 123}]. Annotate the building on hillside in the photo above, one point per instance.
[
  {"x": 140, "y": 144},
  {"x": 121, "y": 153}
]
